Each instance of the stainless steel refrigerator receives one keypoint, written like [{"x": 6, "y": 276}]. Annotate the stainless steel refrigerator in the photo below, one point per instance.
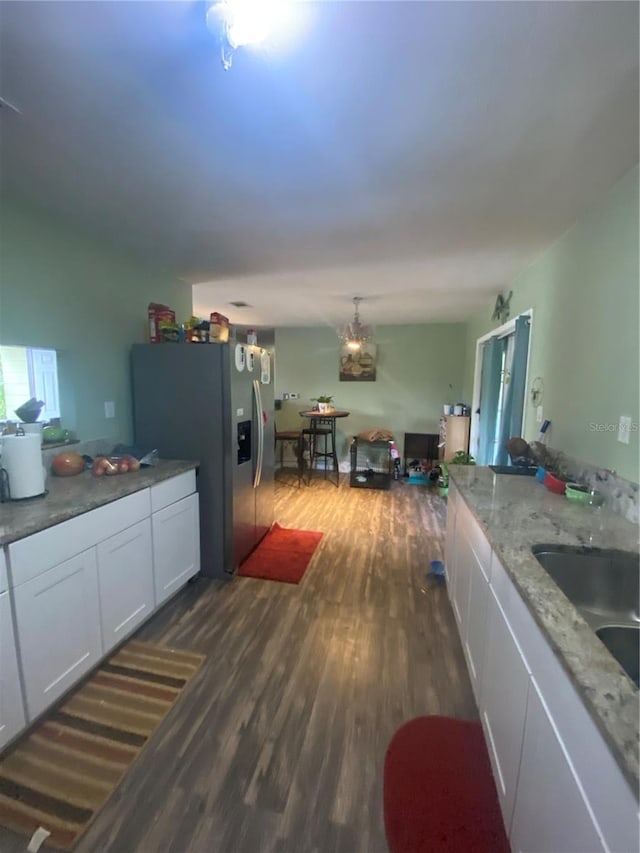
[{"x": 214, "y": 403}]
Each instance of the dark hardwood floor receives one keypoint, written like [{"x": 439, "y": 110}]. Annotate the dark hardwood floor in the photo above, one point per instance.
[{"x": 278, "y": 744}]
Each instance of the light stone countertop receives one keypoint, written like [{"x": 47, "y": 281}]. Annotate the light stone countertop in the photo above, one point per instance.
[
  {"x": 517, "y": 512},
  {"x": 71, "y": 496}
]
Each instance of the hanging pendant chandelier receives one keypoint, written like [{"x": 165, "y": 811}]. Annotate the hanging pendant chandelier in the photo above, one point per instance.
[{"x": 354, "y": 334}]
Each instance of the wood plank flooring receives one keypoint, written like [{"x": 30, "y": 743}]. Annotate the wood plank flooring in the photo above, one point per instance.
[{"x": 278, "y": 744}]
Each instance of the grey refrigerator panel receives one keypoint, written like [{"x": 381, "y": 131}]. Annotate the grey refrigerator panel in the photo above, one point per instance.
[
  {"x": 182, "y": 407},
  {"x": 186, "y": 403}
]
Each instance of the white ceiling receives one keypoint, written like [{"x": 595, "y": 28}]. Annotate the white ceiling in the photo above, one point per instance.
[{"x": 418, "y": 154}]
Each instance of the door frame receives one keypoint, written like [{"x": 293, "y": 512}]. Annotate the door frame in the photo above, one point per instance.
[{"x": 502, "y": 331}]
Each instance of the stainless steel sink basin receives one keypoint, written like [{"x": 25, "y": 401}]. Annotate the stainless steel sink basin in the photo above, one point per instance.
[
  {"x": 624, "y": 644},
  {"x": 604, "y": 585}
]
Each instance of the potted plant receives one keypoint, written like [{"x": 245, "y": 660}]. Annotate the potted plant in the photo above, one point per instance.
[
  {"x": 462, "y": 458},
  {"x": 459, "y": 458},
  {"x": 324, "y": 402}
]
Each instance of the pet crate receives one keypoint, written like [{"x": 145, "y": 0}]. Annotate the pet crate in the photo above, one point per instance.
[
  {"x": 371, "y": 464},
  {"x": 420, "y": 454}
]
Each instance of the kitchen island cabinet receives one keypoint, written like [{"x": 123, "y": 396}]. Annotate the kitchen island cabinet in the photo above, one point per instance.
[{"x": 560, "y": 784}]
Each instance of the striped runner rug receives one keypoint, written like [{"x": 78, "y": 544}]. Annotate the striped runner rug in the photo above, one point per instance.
[{"x": 64, "y": 771}]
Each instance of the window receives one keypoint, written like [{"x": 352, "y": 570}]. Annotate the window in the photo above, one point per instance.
[{"x": 27, "y": 372}]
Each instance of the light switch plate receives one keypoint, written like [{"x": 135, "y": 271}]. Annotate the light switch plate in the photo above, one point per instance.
[
  {"x": 539, "y": 415},
  {"x": 109, "y": 409},
  {"x": 624, "y": 429}
]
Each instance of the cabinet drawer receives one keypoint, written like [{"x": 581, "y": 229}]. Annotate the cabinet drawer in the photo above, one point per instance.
[
  {"x": 172, "y": 490},
  {"x": 35, "y": 554}
]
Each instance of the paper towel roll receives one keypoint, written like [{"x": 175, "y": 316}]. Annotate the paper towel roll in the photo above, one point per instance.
[{"x": 22, "y": 460}]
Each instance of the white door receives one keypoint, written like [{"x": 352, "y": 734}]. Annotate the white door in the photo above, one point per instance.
[
  {"x": 505, "y": 684},
  {"x": 550, "y": 812},
  {"x": 176, "y": 546},
  {"x": 58, "y": 629},
  {"x": 125, "y": 574},
  {"x": 12, "y": 717}
]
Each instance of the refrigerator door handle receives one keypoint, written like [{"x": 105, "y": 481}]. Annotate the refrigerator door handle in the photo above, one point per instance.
[{"x": 260, "y": 424}]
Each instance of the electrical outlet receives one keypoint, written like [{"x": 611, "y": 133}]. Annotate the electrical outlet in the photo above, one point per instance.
[
  {"x": 285, "y": 395},
  {"x": 624, "y": 429},
  {"x": 294, "y": 395},
  {"x": 109, "y": 409}
]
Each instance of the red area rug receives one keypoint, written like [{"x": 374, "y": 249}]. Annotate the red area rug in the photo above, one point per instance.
[
  {"x": 283, "y": 555},
  {"x": 439, "y": 793}
]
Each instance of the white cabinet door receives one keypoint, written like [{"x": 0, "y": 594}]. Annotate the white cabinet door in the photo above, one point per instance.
[
  {"x": 475, "y": 639},
  {"x": 12, "y": 716},
  {"x": 176, "y": 546},
  {"x": 125, "y": 574},
  {"x": 450, "y": 541},
  {"x": 462, "y": 578},
  {"x": 58, "y": 629},
  {"x": 550, "y": 812},
  {"x": 505, "y": 684}
]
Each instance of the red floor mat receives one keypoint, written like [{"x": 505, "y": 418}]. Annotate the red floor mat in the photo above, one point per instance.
[
  {"x": 283, "y": 555},
  {"x": 439, "y": 793}
]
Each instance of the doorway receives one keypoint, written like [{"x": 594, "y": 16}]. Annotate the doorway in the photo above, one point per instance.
[{"x": 499, "y": 389}]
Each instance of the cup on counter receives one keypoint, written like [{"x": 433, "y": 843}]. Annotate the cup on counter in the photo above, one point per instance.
[
  {"x": 458, "y": 409},
  {"x": 448, "y": 410}
]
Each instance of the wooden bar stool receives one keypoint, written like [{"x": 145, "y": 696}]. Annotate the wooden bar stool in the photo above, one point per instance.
[{"x": 295, "y": 436}]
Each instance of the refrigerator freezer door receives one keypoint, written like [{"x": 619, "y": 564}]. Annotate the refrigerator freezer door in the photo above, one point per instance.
[{"x": 182, "y": 408}]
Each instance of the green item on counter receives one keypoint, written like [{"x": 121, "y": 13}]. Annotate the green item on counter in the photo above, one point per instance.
[
  {"x": 51, "y": 434},
  {"x": 462, "y": 458}
]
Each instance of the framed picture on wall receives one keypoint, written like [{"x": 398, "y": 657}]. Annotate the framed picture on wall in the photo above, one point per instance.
[{"x": 358, "y": 366}]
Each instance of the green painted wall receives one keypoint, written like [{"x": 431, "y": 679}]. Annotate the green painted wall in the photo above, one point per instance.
[
  {"x": 85, "y": 299},
  {"x": 585, "y": 333},
  {"x": 419, "y": 368}
]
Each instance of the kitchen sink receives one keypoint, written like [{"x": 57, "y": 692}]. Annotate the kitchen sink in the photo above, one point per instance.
[
  {"x": 623, "y": 642},
  {"x": 604, "y": 585}
]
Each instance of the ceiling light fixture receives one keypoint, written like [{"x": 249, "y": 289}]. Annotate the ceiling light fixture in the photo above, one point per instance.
[
  {"x": 354, "y": 334},
  {"x": 242, "y": 23}
]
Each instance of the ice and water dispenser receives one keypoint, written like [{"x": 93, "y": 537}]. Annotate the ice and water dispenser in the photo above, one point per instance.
[{"x": 244, "y": 441}]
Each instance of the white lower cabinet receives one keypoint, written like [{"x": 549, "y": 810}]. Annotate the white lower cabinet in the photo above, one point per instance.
[
  {"x": 12, "y": 717},
  {"x": 550, "y": 813},
  {"x": 475, "y": 637},
  {"x": 450, "y": 539},
  {"x": 505, "y": 684},
  {"x": 559, "y": 787},
  {"x": 176, "y": 546},
  {"x": 71, "y": 608},
  {"x": 58, "y": 629},
  {"x": 125, "y": 574}
]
